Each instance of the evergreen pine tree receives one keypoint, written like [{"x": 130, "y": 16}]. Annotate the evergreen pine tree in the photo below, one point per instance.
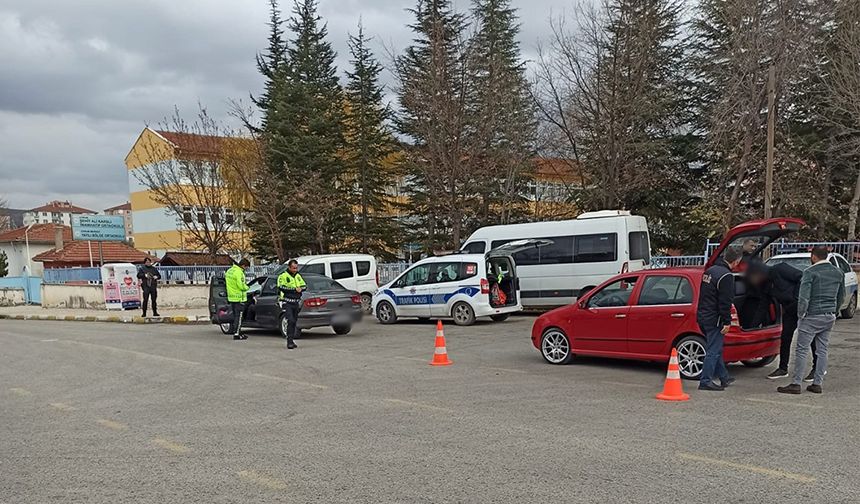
[
  {"x": 4, "y": 264},
  {"x": 369, "y": 150},
  {"x": 501, "y": 109},
  {"x": 308, "y": 137},
  {"x": 432, "y": 93}
]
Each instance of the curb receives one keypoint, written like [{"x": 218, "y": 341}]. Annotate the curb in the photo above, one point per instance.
[{"x": 112, "y": 319}]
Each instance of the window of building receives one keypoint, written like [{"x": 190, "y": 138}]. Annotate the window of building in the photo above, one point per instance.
[
  {"x": 187, "y": 217},
  {"x": 229, "y": 217},
  {"x": 201, "y": 215}
]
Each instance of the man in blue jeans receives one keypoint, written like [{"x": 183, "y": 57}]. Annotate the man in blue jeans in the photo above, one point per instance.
[
  {"x": 822, "y": 291},
  {"x": 715, "y": 317}
]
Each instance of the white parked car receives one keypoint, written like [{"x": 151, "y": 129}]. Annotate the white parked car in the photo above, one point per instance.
[
  {"x": 585, "y": 252},
  {"x": 801, "y": 261},
  {"x": 459, "y": 286},
  {"x": 356, "y": 272}
]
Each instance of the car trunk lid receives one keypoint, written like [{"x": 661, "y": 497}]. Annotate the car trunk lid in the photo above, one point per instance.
[{"x": 765, "y": 231}]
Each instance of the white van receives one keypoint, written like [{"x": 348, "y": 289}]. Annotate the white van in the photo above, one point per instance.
[
  {"x": 460, "y": 286},
  {"x": 354, "y": 271},
  {"x": 585, "y": 252}
]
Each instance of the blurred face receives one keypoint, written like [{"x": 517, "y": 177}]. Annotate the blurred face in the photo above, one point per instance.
[
  {"x": 293, "y": 268},
  {"x": 147, "y": 262},
  {"x": 749, "y": 246}
]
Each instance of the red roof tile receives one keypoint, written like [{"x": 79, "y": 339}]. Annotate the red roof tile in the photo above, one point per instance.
[
  {"x": 192, "y": 143},
  {"x": 61, "y": 207},
  {"x": 39, "y": 233},
  {"x": 79, "y": 252},
  {"x": 124, "y": 206},
  {"x": 195, "y": 259}
]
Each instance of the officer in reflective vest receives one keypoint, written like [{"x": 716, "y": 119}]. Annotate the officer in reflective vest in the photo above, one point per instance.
[
  {"x": 237, "y": 296},
  {"x": 290, "y": 288}
]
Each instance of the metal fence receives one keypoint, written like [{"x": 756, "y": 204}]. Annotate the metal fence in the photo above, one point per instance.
[
  {"x": 658, "y": 262},
  {"x": 389, "y": 271},
  {"x": 849, "y": 250},
  {"x": 169, "y": 274}
]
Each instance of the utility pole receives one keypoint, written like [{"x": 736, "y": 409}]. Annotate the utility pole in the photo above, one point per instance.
[{"x": 771, "y": 125}]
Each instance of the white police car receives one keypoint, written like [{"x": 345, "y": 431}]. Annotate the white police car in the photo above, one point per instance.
[{"x": 459, "y": 286}]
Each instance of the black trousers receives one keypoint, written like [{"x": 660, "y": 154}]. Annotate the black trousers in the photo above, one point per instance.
[
  {"x": 291, "y": 311},
  {"x": 238, "y": 315},
  {"x": 147, "y": 295},
  {"x": 789, "y": 325}
]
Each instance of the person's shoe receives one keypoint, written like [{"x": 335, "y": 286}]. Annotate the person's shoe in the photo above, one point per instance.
[
  {"x": 155, "y": 314},
  {"x": 711, "y": 386},
  {"x": 291, "y": 345},
  {"x": 243, "y": 336},
  {"x": 728, "y": 381},
  {"x": 815, "y": 389},
  {"x": 237, "y": 336},
  {"x": 811, "y": 376},
  {"x": 144, "y": 315},
  {"x": 794, "y": 388},
  {"x": 777, "y": 374}
]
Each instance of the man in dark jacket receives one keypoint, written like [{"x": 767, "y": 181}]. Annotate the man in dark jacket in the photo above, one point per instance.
[
  {"x": 784, "y": 286},
  {"x": 714, "y": 315},
  {"x": 149, "y": 277}
]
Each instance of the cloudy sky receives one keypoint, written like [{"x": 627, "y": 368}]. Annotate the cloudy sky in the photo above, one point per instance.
[{"x": 79, "y": 80}]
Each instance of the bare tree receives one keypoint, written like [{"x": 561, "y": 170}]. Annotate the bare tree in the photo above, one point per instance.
[
  {"x": 5, "y": 218},
  {"x": 187, "y": 179},
  {"x": 843, "y": 99}
]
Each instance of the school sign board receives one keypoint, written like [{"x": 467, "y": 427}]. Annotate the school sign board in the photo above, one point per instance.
[{"x": 98, "y": 228}]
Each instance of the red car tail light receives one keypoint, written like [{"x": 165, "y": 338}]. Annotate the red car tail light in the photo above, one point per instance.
[
  {"x": 315, "y": 302},
  {"x": 485, "y": 286},
  {"x": 356, "y": 299}
]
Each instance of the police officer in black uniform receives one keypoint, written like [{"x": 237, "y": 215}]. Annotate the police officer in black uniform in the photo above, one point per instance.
[{"x": 715, "y": 317}]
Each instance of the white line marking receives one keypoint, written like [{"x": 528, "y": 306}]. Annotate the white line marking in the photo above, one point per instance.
[
  {"x": 62, "y": 406},
  {"x": 19, "y": 391},
  {"x": 133, "y": 352},
  {"x": 418, "y": 405},
  {"x": 171, "y": 446},
  {"x": 287, "y": 380},
  {"x": 262, "y": 480},
  {"x": 624, "y": 384},
  {"x": 411, "y": 358},
  {"x": 110, "y": 424},
  {"x": 518, "y": 371},
  {"x": 783, "y": 403},
  {"x": 775, "y": 473}
]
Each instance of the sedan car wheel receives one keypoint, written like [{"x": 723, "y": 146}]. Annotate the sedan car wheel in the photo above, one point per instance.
[
  {"x": 284, "y": 325},
  {"x": 849, "y": 312},
  {"x": 385, "y": 313},
  {"x": 555, "y": 347},
  {"x": 366, "y": 303},
  {"x": 691, "y": 356},
  {"x": 225, "y": 327}
]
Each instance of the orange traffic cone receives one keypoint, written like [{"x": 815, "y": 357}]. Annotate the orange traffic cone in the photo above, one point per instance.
[
  {"x": 440, "y": 356},
  {"x": 672, "y": 389}
]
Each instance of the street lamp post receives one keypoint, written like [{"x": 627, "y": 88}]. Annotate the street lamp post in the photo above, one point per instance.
[{"x": 27, "y": 242}]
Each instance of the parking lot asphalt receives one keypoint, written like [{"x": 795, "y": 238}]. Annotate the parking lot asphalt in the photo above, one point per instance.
[{"x": 125, "y": 413}]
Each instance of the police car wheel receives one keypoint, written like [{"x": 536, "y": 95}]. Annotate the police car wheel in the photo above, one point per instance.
[
  {"x": 849, "y": 312},
  {"x": 385, "y": 313},
  {"x": 555, "y": 347},
  {"x": 463, "y": 314}
]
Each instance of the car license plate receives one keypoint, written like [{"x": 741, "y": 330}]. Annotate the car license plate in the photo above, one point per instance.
[{"x": 341, "y": 319}]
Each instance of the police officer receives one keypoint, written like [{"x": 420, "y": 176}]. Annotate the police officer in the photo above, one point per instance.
[
  {"x": 714, "y": 316},
  {"x": 149, "y": 277},
  {"x": 290, "y": 288},
  {"x": 237, "y": 296}
]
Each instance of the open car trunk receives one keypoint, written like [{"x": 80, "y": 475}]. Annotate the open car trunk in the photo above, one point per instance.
[
  {"x": 508, "y": 285},
  {"x": 756, "y": 309}
]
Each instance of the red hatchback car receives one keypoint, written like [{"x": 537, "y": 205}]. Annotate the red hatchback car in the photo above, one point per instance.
[{"x": 643, "y": 314}]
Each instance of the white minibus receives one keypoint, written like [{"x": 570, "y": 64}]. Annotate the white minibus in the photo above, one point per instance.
[{"x": 585, "y": 252}]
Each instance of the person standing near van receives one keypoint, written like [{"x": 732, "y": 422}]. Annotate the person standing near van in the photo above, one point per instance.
[
  {"x": 237, "y": 296},
  {"x": 290, "y": 288},
  {"x": 149, "y": 277},
  {"x": 822, "y": 291},
  {"x": 716, "y": 295},
  {"x": 783, "y": 284}
]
